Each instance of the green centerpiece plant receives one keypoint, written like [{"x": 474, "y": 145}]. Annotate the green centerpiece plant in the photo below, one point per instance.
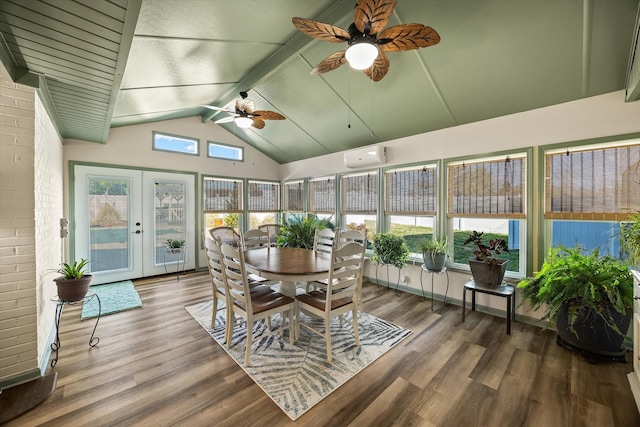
[{"x": 298, "y": 231}]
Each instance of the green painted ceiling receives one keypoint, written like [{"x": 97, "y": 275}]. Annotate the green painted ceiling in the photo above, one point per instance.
[{"x": 102, "y": 64}]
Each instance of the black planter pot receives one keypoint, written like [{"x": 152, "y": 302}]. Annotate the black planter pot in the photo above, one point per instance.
[
  {"x": 434, "y": 262},
  {"x": 488, "y": 273},
  {"x": 594, "y": 339}
]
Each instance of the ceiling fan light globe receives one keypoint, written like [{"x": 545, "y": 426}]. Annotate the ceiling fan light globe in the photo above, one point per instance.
[
  {"x": 361, "y": 55},
  {"x": 243, "y": 122}
]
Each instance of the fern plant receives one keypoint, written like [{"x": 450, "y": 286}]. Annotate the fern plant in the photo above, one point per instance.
[
  {"x": 298, "y": 231},
  {"x": 630, "y": 238},
  {"x": 582, "y": 280}
]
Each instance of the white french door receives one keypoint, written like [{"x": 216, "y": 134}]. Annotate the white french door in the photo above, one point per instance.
[{"x": 123, "y": 218}]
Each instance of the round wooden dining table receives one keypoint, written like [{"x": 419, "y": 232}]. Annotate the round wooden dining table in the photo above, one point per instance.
[{"x": 288, "y": 265}]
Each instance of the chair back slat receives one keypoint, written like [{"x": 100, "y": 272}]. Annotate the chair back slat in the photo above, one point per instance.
[
  {"x": 235, "y": 274},
  {"x": 255, "y": 239},
  {"x": 351, "y": 236},
  {"x": 226, "y": 234},
  {"x": 214, "y": 260},
  {"x": 345, "y": 273},
  {"x": 324, "y": 240}
]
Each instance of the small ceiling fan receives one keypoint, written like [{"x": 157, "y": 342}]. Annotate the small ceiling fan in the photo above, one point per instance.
[
  {"x": 367, "y": 40},
  {"x": 245, "y": 114}
]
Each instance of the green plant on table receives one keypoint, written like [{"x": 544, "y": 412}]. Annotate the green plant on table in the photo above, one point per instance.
[
  {"x": 298, "y": 231},
  {"x": 486, "y": 252}
]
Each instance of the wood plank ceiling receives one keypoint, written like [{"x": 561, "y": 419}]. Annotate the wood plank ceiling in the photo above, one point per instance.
[{"x": 108, "y": 63}]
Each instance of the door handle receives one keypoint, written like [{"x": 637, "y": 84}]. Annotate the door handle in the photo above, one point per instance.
[{"x": 136, "y": 232}]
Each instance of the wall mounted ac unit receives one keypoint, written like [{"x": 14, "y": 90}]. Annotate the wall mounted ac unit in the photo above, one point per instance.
[{"x": 364, "y": 157}]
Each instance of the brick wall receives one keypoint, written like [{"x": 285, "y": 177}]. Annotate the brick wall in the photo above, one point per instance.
[
  {"x": 48, "y": 188},
  {"x": 30, "y": 208}
]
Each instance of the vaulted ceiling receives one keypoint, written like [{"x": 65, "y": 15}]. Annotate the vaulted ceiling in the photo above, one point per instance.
[{"x": 100, "y": 64}]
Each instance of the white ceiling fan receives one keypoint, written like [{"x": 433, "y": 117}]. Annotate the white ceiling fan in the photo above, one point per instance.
[{"x": 245, "y": 115}]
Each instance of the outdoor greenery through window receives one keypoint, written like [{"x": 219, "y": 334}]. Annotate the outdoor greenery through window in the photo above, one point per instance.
[
  {"x": 488, "y": 195},
  {"x": 411, "y": 203},
  {"x": 222, "y": 202},
  {"x": 176, "y": 144},
  {"x": 263, "y": 202},
  {"x": 359, "y": 200},
  {"x": 589, "y": 189},
  {"x": 223, "y": 151}
]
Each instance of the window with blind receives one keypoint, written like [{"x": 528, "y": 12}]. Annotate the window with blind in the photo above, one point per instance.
[
  {"x": 293, "y": 196},
  {"x": 488, "y": 189},
  {"x": 359, "y": 200},
  {"x": 488, "y": 195},
  {"x": 596, "y": 184},
  {"x": 322, "y": 195},
  {"x": 222, "y": 201},
  {"x": 411, "y": 203},
  {"x": 263, "y": 202},
  {"x": 588, "y": 190}
]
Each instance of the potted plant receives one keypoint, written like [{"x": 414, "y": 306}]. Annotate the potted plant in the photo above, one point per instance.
[
  {"x": 298, "y": 231},
  {"x": 486, "y": 268},
  {"x": 174, "y": 245},
  {"x": 589, "y": 297},
  {"x": 73, "y": 285},
  {"x": 630, "y": 239},
  {"x": 434, "y": 254},
  {"x": 389, "y": 249}
]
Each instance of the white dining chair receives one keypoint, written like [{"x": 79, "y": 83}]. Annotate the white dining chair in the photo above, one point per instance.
[
  {"x": 338, "y": 298},
  {"x": 252, "y": 307}
]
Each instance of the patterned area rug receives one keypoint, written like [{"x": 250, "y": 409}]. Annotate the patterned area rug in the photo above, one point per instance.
[
  {"x": 114, "y": 298},
  {"x": 296, "y": 377}
]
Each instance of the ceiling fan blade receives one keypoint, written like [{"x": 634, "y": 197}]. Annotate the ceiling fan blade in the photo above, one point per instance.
[
  {"x": 379, "y": 68},
  {"x": 213, "y": 107},
  {"x": 258, "y": 123},
  {"x": 330, "y": 63},
  {"x": 268, "y": 115},
  {"x": 407, "y": 37},
  {"x": 225, "y": 120},
  {"x": 373, "y": 15},
  {"x": 320, "y": 30}
]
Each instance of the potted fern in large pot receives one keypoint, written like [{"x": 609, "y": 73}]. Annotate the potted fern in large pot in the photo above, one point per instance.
[
  {"x": 587, "y": 296},
  {"x": 74, "y": 283}
]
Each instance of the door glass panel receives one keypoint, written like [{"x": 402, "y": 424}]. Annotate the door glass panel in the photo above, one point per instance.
[
  {"x": 170, "y": 221},
  {"x": 109, "y": 223}
]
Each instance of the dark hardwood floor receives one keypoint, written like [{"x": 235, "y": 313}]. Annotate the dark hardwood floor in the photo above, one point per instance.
[{"x": 155, "y": 366}]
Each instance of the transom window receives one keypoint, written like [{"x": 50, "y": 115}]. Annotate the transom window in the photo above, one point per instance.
[
  {"x": 176, "y": 144},
  {"x": 217, "y": 150}
]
